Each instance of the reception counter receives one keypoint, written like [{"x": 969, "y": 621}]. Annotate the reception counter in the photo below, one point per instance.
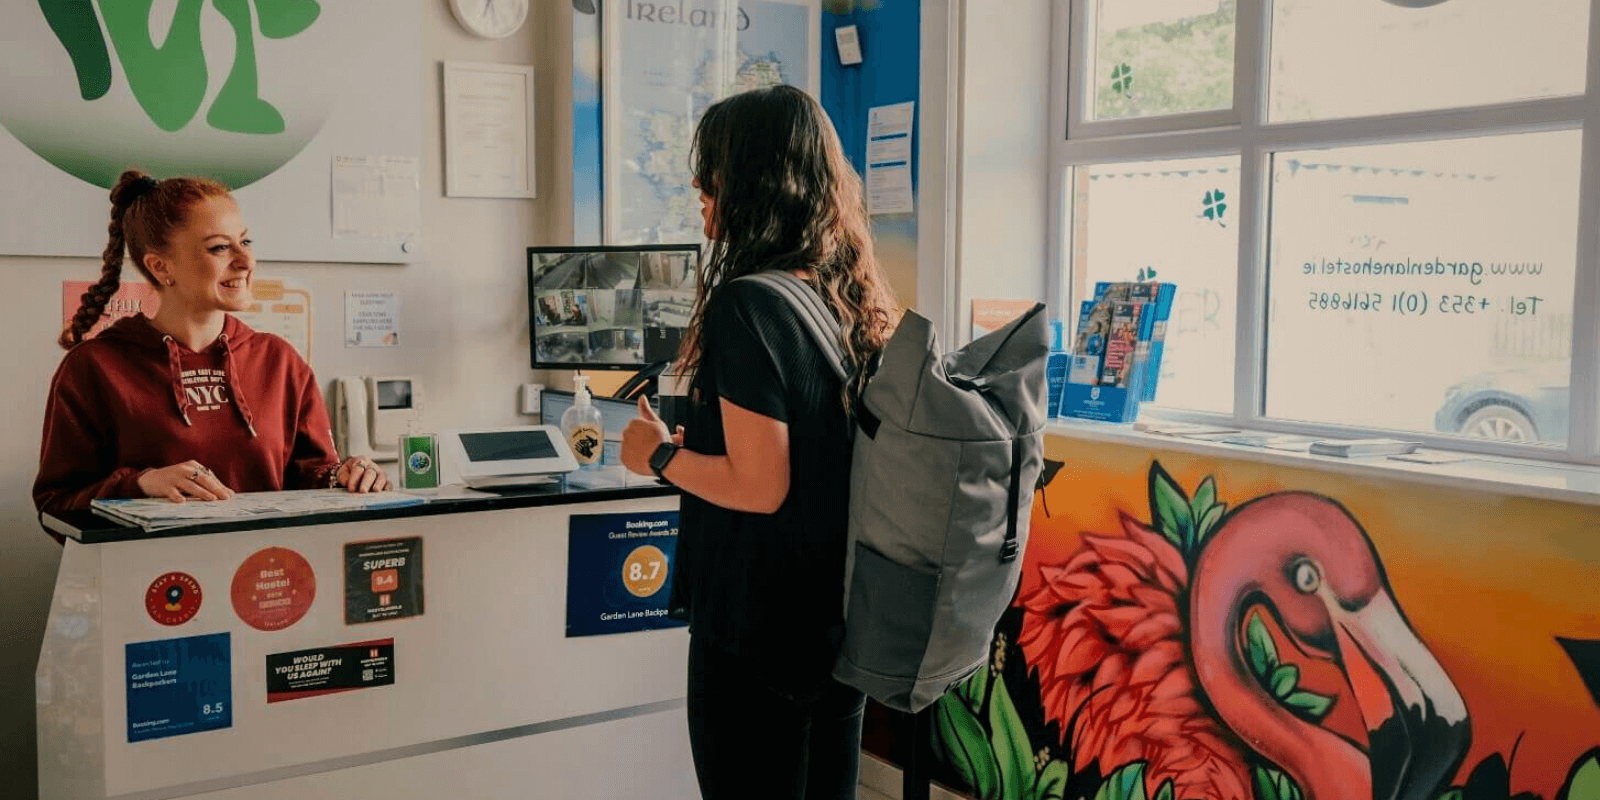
[{"x": 416, "y": 652}]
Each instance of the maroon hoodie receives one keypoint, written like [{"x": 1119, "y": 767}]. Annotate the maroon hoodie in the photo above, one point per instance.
[{"x": 133, "y": 399}]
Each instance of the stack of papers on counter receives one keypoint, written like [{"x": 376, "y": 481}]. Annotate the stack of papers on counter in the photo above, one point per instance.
[{"x": 158, "y": 513}]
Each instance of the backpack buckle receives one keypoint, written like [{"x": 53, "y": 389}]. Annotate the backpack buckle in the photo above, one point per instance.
[
  {"x": 1008, "y": 551},
  {"x": 969, "y": 384}
]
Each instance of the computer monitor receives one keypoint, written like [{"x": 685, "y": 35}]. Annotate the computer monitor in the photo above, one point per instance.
[{"x": 609, "y": 307}]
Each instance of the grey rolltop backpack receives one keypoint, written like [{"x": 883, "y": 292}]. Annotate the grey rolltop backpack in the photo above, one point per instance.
[{"x": 948, "y": 449}]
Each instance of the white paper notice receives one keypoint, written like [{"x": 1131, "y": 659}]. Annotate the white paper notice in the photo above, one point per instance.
[
  {"x": 489, "y": 150},
  {"x": 889, "y": 158},
  {"x": 376, "y": 197},
  {"x": 371, "y": 319}
]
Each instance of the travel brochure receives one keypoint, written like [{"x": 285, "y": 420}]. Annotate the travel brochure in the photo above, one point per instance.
[{"x": 1115, "y": 359}]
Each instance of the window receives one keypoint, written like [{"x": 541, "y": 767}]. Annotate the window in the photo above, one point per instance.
[
  {"x": 1166, "y": 57},
  {"x": 1115, "y": 209},
  {"x": 1375, "y": 211}
]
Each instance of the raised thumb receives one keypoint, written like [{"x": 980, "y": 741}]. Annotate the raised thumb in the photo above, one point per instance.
[{"x": 645, "y": 410}]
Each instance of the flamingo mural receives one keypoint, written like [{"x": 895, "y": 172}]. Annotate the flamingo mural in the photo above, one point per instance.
[{"x": 1216, "y": 654}]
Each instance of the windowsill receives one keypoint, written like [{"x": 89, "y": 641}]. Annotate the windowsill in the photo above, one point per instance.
[{"x": 1507, "y": 476}]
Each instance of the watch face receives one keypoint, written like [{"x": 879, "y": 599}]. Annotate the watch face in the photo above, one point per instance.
[
  {"x": 663, "y": 453},
  {"x": 491, "y": 19}
]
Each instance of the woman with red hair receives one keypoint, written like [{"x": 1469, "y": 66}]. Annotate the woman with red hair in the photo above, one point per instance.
[{"x": 190, "y": 403}]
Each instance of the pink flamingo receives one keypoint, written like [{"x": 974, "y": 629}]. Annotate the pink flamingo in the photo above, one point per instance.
[{"x": 1141, "y": 660}]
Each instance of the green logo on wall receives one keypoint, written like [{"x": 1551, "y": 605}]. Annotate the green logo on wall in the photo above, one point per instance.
[{"x": 174, "y": 62}]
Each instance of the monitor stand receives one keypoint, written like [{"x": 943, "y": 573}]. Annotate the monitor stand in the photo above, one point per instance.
[{"x": 643, "y": 382}]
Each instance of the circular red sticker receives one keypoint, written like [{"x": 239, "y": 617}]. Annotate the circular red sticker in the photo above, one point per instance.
[
  {"x": 173, "y": 598},
  {"x": 273, "y": 589}
]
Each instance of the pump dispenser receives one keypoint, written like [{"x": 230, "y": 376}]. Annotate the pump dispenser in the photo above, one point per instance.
[{"x": 584, "y": 427}]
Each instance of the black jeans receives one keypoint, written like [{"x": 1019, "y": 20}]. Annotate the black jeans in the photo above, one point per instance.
[{"x": 752, "y": 739}]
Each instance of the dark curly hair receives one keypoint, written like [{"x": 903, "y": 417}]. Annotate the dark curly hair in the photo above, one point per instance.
[{"x": 787, "y": 198}]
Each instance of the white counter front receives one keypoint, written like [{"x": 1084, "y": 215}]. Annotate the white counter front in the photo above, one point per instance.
[{"x": 489, "y": 699}]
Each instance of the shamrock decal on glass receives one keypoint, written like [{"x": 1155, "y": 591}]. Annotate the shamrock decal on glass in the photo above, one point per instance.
[
  {"x": 1122, "y": 80},
  {"x": 1215, "y": 207}
]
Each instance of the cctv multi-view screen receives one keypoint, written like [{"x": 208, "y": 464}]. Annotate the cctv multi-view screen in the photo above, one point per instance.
[{"x": 609, "y": 307}]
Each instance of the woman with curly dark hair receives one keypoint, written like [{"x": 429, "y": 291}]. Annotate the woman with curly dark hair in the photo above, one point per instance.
[{"x": 764, "y": 456}]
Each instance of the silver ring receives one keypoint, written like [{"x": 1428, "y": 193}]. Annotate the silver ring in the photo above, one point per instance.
[{"x": 193, "y": 476}]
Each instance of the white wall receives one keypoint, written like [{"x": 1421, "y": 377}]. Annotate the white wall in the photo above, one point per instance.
[
  {"x": 463, "y": 315},
  {"x": 1002, "y": 148}
]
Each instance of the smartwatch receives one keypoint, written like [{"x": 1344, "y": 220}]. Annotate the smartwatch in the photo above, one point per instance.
[{"x": 661, "y": 458}]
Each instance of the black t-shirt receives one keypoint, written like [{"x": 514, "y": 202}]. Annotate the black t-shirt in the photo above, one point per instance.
[{"x": 768, "y": 586}]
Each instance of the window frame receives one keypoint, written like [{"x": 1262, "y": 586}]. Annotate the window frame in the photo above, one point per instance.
[{"x": 1245, "y": 131}]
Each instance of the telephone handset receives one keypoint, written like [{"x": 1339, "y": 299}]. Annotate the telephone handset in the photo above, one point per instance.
[
  {"x": 351, "y": 432},
  {"x": 371, "y": 413}
]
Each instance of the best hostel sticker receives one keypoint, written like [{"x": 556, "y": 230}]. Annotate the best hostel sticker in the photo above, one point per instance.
[
  {"x": 329, "y": 670},
  {"x": 273, "y": 589},
  {"x": 179, "y": 686},
  {"x": 173, "y": 598},
  {"x": 383, "y": 580}
]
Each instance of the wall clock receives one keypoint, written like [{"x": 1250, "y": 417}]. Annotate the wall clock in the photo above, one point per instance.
[{"x": 490, "y": 19}]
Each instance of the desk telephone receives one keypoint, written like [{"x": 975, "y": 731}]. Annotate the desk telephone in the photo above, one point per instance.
[{"x": 371, "y": 413}]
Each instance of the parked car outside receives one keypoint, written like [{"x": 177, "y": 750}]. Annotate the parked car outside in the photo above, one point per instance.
[{"x": 1524, "y": 404}]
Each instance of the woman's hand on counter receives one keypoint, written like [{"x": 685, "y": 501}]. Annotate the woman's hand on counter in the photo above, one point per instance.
[
  {"x": 184, "y": 481},
  {"x": 360, "y": 475}
]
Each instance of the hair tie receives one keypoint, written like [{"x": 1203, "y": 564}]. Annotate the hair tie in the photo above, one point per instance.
[{"x": 139, "y": 188}]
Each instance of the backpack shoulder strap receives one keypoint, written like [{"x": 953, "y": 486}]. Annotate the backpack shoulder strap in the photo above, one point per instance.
[{"x": 819, "y": 321}]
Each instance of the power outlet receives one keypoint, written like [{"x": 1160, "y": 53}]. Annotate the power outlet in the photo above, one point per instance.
[{"x": 531, "y": 392}]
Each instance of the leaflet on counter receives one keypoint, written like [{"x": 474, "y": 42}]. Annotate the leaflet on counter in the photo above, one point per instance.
[{"x": 158, "y": 513}]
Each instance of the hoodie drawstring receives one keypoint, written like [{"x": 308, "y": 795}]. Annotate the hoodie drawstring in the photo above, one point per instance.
[
  {"x": 233, "y": 388},
  {"x": 175, "y": 364}
]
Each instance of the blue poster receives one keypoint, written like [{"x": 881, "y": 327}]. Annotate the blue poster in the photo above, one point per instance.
[
  {"x": 619, "y": 569},
  {"x": 179, "y": 686}
]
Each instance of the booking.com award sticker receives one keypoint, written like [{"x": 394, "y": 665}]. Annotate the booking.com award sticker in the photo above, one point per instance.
[
  {"x": 173, "y": 598},
  {"x": 644, "y": 571}
]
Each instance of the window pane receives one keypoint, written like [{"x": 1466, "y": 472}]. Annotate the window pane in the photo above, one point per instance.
[
  {"x": 1426, "y": 286},
  {"x": 1167, "y": 221},
  {"x": 1339, "y": 58},
  {"x": 1159, "y": 57}
]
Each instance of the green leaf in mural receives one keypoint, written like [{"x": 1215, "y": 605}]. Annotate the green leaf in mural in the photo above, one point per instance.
[
  {"x": 1127, "y": 783},
  {"x": 1453, "y": 794},
  {"x": 1266, "y": 788},
  {"x": 1311, "y": 704},
  {"x": 1010, "y": 744},
  {"x": 959, "y": 741},
  {"x": 1171, "y": 510},
  {"x": 1052, "y": 782},
  {"x": 1274, "y": 785},
  {"x": 1208, "y": 523},
  {"x": 1204, "y": 498},
  {"x": 973, "y": 689},
  {"x": 1263, "y": 653},
  {"x": 1585, "y": 781},
  {"x": 1165, "y": 792},
  {"x": 1283, "y": 680}
]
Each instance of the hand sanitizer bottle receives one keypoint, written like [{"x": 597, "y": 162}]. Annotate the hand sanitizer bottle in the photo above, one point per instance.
[{"x": 584, "y": 427}]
